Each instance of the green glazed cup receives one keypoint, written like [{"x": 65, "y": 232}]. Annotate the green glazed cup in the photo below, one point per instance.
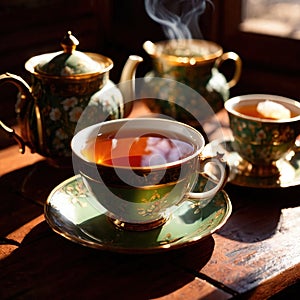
[
  {"x": 143, "y": 197},
  {"x": 262, "y": 142}
]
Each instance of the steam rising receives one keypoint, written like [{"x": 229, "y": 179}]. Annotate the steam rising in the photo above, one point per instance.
[{"x": 179, "y": 19}]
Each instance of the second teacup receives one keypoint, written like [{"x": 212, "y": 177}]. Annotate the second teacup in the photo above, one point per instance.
[
  {"x": 265, "y": 128},
  {"x": 140, "y": 169}
]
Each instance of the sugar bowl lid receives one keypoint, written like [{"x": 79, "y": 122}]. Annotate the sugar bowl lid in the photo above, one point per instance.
[{"x": 69, "y": 62}]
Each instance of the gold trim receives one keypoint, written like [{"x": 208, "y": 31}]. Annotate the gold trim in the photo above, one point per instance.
[
  {"x": 102, "y": 60},
  {"x": 187, "y": 240},
  {"x": 137, "y": 226},
  {"x": 157, "y": 52},
  {"x": 39, "y": 128}
]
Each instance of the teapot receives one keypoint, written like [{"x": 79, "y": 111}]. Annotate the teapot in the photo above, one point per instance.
[
  {"x": 194, "y": 63},
  {"x": 66, "y": 84}
]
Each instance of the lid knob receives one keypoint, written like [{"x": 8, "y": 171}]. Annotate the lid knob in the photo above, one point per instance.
[{"x": 69, "y": 43}]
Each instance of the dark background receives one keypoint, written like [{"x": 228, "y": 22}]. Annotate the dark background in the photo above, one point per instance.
[{"x": 118, "y": 28}]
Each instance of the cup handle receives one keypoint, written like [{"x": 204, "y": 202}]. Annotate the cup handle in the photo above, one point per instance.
[
  {"x": 220, "y": 182},
  {"x": 238, "y": 66}
]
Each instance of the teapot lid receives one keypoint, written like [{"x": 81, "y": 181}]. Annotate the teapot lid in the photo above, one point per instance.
[{"x": 69, "y": 62}]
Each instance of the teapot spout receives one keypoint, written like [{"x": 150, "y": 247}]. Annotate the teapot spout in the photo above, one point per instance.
[{"x": 128, "y": 89}]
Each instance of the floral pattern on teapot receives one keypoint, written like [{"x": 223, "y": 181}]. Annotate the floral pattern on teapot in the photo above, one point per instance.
[
  {"x": 194, "y": 63},
  {"x": 60, "y": 115},
  {"x": 66, "y": 94}
]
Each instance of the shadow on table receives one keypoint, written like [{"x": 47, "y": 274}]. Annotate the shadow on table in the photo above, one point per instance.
[
  {"x": 15, "y": 210},
  {"x": 257, "y": 213},
  {"x": 24, "y": 191},
  {"x": 258, "y": 242},
  {"x": 46, "y": 264}
]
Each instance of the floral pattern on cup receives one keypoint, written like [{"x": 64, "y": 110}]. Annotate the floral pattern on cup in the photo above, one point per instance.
[{"x": 261, "y": 143}]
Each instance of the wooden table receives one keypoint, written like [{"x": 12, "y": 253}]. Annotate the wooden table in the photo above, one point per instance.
[{"x": 255, "y": 255}]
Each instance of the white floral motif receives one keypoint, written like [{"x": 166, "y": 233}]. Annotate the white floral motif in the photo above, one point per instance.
[
  {"x": 55, "y": 114},
  {"x": 61, "y": 134},
  {"x": 261, "y": 135},
  {"x": 69, "y": 103},
  {"x": 241, "y": 126},
  {"x": 75, "y": 114}
]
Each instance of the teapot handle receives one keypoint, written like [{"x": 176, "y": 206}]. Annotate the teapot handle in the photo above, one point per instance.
[
  {"x": 11, "y": 133},
  {"x": 238, "y": 66},
  {"x": 21, "y": 109}
]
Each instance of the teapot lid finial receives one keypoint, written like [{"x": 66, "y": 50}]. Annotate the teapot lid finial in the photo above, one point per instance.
[
  {"x": 69, "y": 43},
  {"x": 70, "y": 62}
]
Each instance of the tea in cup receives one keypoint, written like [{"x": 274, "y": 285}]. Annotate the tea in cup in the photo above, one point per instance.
[
  {"x": 141, "y": 169},
  {"x": 264, "y": 128}
]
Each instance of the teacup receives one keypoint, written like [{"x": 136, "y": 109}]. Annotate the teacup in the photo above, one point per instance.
[
  {"x": 265, "y": 128},
  {"x": 141, "y": 169}
]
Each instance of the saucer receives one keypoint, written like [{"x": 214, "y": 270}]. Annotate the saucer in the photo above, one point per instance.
[
  {"x": 70, "y": 211},
  {"x": 288, "y": 168}
]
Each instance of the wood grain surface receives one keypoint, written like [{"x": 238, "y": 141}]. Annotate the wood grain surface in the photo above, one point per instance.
[{"x": 255, "y": 255}]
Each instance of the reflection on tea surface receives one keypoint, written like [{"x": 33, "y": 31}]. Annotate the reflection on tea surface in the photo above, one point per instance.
[{"x": 131, "y": 150}]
